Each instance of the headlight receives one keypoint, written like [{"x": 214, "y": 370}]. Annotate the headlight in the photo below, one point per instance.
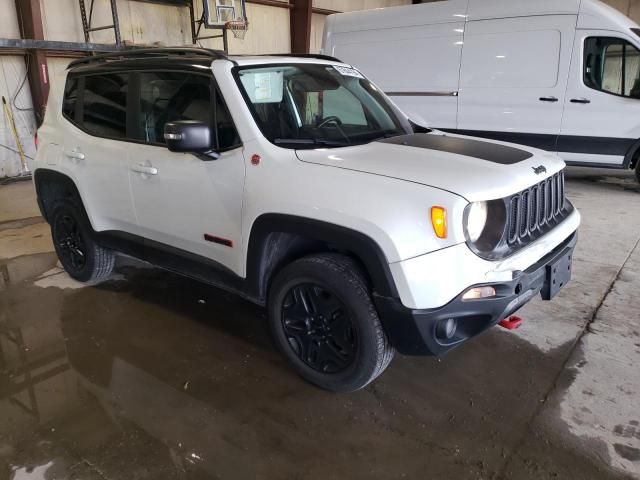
[{"x": 476, "y": 220}]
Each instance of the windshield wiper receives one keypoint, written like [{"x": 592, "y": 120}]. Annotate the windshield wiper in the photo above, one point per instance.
[{"x": 309, "y": 141}]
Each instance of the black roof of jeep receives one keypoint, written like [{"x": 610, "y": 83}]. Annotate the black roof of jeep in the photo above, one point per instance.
[{"x": 178, "y": 58}]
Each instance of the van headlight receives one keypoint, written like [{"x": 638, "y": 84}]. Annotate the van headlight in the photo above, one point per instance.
[{"x": 476, "y": 220}]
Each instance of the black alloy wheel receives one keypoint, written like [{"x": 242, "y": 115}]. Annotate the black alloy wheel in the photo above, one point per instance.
[
  {"x": 68, "y": 239},
  {"x": 319, "y": 328}
]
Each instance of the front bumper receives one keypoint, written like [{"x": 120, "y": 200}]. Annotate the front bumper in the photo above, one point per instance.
[{"x": 425, "y": 332}]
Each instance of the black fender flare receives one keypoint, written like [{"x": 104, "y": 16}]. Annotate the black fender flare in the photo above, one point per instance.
[
  {"x": 263, "y": 250},
  {"x": 43, "y": 178},
  {"x": 632, "y": 152}
]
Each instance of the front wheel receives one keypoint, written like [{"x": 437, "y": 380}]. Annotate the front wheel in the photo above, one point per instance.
[{"x": 325, "y": 324}]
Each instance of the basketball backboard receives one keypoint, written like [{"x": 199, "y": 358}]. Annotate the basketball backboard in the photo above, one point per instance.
[{"x": 218, "y": 12}]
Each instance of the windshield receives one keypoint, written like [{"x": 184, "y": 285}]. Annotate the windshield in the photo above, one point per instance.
[{"x": 311, "y": 105}]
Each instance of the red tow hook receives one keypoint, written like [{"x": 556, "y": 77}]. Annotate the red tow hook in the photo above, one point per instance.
[{"x": 511, "y": 323}]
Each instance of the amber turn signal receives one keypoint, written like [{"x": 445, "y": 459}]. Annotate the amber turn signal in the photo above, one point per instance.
[{"x": 439, "y": 221}]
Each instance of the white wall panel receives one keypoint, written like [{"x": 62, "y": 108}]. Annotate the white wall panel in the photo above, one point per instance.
[{"x": 12, "y": 73}]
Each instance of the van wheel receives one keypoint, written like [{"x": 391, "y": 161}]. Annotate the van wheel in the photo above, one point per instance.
[
  {"x": 81, "y": 257},
  {"x": 325, "y": 324}
]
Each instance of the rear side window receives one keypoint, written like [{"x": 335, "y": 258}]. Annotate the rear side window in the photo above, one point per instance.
[
  {"x": 612, "y": 65},
  {"x": 104, "y": 105}
]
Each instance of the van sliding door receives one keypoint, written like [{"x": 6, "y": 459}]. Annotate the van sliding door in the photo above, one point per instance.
[{"x": 514, "y": 77}]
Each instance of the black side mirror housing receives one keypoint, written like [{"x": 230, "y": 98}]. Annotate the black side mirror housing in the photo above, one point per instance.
[{"x": 190, "y": 136}]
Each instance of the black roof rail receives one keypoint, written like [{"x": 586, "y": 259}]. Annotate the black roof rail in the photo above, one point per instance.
[
  {"x": 319, "y": 56},
  {"x": 149, "y": 53}
]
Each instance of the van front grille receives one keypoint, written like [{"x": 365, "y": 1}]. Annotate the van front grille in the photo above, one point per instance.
[{"x": 534, "y": 211}]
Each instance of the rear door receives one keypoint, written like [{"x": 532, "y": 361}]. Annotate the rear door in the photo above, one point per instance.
[
  {"x": 188, "y": 203},
  {"x": 95, "y": 147},
  {"x": 601, "y": 119},
  {"x": 514, "y": 78}
]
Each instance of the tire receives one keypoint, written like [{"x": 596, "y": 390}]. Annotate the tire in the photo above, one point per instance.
[
  {"x": 324, "y": 322},
  {"x": 638, "y": 171},
  {"x": 81, "y": 257}
]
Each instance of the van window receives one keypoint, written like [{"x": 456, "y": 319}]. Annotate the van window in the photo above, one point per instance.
[
  {"x": 497, "y": 60},
  {"x": 612, "y": 65},
  {"x": 104, "y": 105}
]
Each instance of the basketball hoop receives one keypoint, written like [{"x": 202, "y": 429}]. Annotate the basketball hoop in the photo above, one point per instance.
[{"x": 238, "y": 27}]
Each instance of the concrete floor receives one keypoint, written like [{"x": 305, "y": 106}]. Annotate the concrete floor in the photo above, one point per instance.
[{"x": 153, "y": 376}]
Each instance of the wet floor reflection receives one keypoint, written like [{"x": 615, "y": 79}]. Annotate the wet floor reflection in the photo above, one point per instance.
[{"x": 156, "y": 376}]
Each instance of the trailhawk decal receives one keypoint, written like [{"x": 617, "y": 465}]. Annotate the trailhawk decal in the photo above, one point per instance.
[{"x": 491, "y": 152}]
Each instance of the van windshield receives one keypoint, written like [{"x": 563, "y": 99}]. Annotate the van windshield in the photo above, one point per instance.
[{"x": 311, "y": 105}]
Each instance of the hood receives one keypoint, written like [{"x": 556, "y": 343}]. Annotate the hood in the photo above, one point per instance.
[{"x": 472, "y": 168}]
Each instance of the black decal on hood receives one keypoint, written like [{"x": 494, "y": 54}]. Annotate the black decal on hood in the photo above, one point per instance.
[{"x": 491, "y": 152}]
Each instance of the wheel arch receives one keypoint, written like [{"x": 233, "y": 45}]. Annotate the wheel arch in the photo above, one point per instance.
[
  {"x": 277, "y": 239},
  {"x": 52, "y": 185}
]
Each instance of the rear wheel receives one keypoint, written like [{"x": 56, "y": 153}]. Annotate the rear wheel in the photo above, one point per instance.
[
  {"x": 81, "y": 257},
  {"x": 325, "y": 324}
]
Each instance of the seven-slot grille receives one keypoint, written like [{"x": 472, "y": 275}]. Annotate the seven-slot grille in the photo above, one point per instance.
[{"x": 536, "y": 209}]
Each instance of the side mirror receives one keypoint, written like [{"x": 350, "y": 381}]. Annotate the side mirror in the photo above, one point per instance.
[{"x": 188, "y": 136}]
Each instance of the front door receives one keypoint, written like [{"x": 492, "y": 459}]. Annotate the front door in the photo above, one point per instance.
[
  {"x": 514, "y": 77},
  {"x": 181, "y": 200},
  {"x": 602, "y": 107}
]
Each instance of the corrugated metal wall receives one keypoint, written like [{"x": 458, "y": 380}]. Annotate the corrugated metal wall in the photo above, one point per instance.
[{"x": 147, "y": 23}]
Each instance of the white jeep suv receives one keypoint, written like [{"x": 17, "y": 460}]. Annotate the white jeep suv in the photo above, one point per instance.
[{"x": 295, "y": 183}]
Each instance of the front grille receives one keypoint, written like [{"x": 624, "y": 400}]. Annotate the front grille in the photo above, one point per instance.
[{"x": 534, "y": 211}]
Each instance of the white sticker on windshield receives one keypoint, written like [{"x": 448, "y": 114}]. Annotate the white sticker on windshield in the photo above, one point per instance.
[{"x": 348, "y": 71}]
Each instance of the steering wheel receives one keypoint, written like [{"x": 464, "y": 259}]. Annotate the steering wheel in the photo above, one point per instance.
[{"x": 330, "y": 119}]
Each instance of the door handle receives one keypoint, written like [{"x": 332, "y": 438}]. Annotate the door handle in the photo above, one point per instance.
[
  {"x": 580, "y": 100},
  {"x": 74, "y": 154},
  {"x": 548, "y": 99},
  {"x": 145, "y": 169}
]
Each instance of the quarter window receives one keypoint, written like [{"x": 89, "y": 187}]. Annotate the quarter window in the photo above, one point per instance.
[
  {"x": 104, "y": 105},
  {"x": 70, "y": 100},
  {"x": 612, "y": 65}
]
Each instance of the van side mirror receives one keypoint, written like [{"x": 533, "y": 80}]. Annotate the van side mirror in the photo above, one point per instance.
[{"x": 190, "y": 136}]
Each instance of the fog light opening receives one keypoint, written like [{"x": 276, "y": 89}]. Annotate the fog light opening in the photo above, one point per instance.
[
  {"x": 478, "y": 293},
  {"x": 446, "y": 329}
]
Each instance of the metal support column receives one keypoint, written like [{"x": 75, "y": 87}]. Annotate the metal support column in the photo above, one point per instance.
[
  {"x": 30, "y": 21},
  {"x": 301, "y": 26}
]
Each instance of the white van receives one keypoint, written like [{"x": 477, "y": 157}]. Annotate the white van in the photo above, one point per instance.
[{"x": 561, "y": 75}]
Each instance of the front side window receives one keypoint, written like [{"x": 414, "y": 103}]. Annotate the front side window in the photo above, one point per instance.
[
  {"x": 170, "y": 96},
  {"x": 612, "y": 65},
  {"x": 311, "y": 105},
  {"x": 104, "y": 105}
]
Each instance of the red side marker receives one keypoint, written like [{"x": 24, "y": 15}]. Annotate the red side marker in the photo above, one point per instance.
[
  {"x": 255, "y": 159},
  {"x": 219, "y": 240},
  {"x": 511, "y": 323}
]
